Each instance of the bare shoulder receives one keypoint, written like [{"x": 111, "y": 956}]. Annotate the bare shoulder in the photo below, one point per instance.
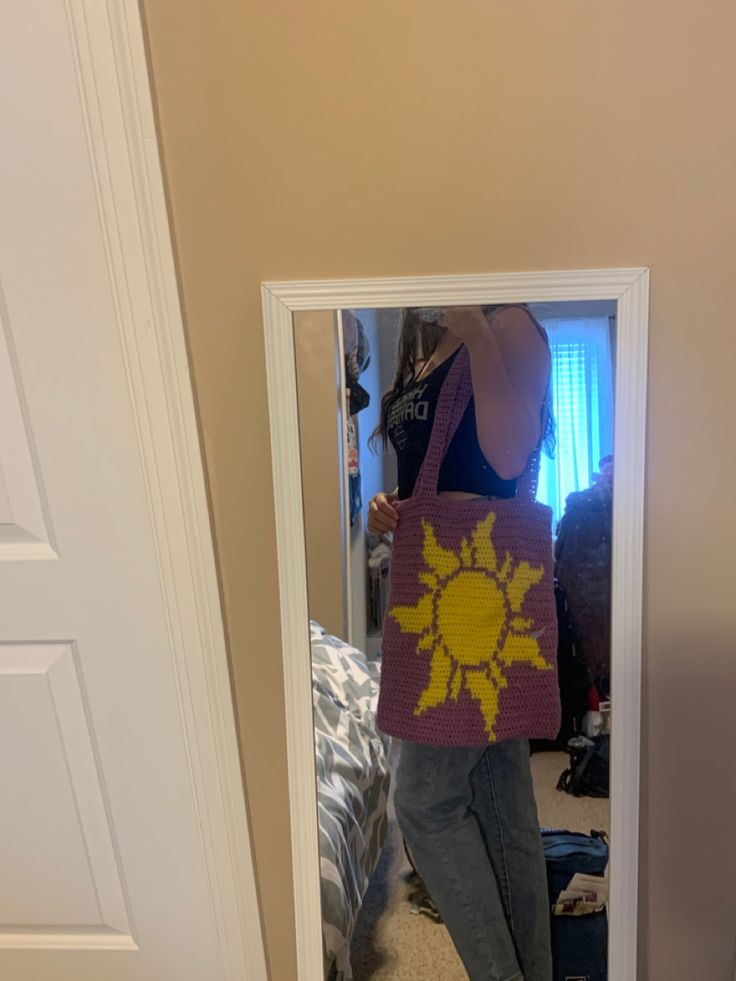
[
  {"x": 524, "y": 349},
  {"x": 517, "y": 331}
]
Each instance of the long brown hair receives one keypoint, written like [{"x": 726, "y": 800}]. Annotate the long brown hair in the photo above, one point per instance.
[{"x": 418, "y": 340}]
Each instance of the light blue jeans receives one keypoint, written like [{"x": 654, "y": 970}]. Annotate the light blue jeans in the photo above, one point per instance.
[{"x": 470, "y": 819}]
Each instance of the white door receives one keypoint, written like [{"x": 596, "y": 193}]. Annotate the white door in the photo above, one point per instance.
[{"x": 111, "y": 866}]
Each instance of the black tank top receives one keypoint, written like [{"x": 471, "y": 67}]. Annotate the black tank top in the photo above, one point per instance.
[{"x": 409, "y": 424}]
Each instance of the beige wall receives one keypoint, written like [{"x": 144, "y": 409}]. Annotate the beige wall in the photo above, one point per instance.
[
  {"x": 318, "y": 384},
  {"x": 326, "y": 139}
]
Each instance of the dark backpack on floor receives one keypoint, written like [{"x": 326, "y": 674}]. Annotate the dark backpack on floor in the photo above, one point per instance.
[
  {"x": 579, "y": 943},
  {"x": 588, "y": 772}
]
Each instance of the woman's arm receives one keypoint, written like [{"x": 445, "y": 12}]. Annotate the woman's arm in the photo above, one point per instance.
[{"x": 510, "y": 365}]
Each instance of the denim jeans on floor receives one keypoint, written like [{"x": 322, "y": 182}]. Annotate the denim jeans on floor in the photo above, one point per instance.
[{"x": 470, "y": 819}]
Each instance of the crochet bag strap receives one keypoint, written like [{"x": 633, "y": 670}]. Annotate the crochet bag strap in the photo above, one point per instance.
[
  {"x": 454, "y": 399},
  {"x": 527, "y": 484}
]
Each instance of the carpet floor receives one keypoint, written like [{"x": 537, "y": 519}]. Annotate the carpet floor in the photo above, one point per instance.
[{"x": 392, "y": 942}]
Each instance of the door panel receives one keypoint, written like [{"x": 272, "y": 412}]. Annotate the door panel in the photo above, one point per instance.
[
  {"x": 62, "y": 868},
  {"x": 23, "y": 532}
]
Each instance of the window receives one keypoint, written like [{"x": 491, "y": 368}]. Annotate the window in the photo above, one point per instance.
[{"x": 582, "y": 403}]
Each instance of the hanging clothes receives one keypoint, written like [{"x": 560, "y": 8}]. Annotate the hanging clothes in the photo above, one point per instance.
[{"x": 357, "y": 359}]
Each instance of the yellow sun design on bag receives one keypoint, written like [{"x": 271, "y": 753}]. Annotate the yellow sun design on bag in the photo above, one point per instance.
[{"x": 470, "y": 619}]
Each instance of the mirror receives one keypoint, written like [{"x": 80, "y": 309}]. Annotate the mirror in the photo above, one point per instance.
[{"x": 457, "y": 480}]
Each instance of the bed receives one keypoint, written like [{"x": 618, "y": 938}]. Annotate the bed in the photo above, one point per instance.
[{"x": 353, "y": 786}]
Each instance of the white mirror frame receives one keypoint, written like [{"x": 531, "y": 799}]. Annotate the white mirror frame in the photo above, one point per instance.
[{"x": 630, "y": 289}]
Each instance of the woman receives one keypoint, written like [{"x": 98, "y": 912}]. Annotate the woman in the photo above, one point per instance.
[{"x": 468, "y": 811}]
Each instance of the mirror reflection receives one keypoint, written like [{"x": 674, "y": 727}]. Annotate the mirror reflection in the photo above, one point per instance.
[{"x": 458, "y": 483}]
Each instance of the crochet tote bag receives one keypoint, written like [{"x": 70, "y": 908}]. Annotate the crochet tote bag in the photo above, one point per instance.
[{"x": 470, "y": 636}]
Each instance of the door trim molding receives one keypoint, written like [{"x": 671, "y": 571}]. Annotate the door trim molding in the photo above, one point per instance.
[
  {"x": 115, "y": 95},
  {"x": 630, "y": 289}
]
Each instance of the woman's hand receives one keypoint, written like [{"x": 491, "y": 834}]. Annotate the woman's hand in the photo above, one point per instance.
[
  {"x": 467, "y": 323},
  {"x": 382, "y": 515}
]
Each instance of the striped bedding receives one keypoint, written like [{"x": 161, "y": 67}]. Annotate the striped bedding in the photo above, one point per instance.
[{"x": 353, "y": 786}]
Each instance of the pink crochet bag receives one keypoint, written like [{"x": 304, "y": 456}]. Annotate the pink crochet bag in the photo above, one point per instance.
[{"x": 470, "y": 636}]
